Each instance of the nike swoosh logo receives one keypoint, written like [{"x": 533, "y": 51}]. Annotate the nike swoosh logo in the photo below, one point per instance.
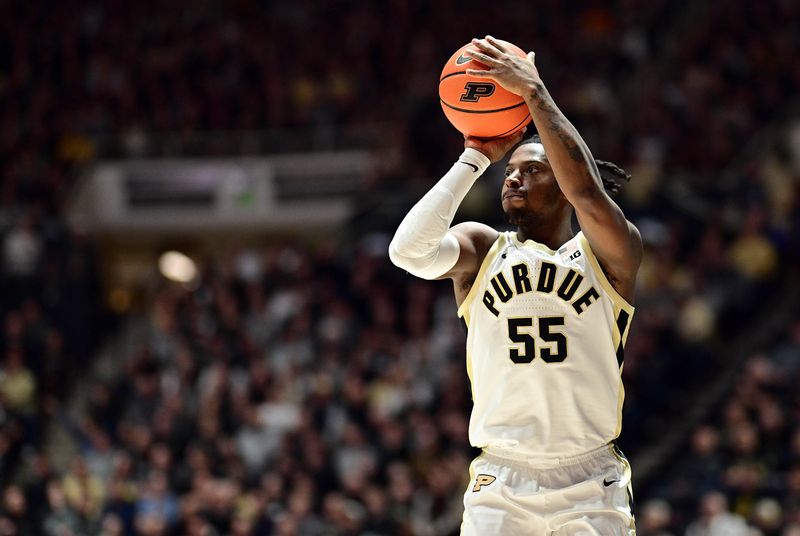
[
  {"x": 473, "y": 166},
  {"x": 607, "y": 482},
  {"x": 461, "y": 59}
]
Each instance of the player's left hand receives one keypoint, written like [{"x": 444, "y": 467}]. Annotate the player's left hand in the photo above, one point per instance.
[
  {"x": 516, "y": 74},
  {"x": 496, "y": 148}
]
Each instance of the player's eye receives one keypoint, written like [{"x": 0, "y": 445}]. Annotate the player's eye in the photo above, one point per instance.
[
  {"x": 531, "y": 169},
  {"x": 508, "y": 171}
]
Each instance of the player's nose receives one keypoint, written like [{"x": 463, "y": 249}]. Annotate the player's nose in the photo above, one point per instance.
[{"x": 512, "y": 180}]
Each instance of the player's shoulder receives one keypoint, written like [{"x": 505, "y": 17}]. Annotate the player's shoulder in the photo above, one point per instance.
[{"x": 476, "y": 241}]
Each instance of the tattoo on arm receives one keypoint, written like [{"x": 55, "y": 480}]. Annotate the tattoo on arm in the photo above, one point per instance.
[{"x": 560, "y": 126}]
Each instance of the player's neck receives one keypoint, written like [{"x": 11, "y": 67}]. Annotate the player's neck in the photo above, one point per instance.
[{"x": 553, "y": 235}]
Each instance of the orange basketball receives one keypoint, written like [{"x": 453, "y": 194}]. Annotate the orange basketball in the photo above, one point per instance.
[{"x": 480, "y": 107}]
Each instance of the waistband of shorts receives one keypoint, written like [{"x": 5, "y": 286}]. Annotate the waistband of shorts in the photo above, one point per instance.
[{"x": 544, "y": 461}]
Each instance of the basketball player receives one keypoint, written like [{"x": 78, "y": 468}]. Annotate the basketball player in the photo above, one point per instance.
[{"x": 547, "y": 311}]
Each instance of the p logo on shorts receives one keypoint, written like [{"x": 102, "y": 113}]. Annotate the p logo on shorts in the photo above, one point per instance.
[{"x": 482, "y": 480}]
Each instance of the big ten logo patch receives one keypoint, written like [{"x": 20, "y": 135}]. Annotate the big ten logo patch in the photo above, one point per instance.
[
  {"x": 569, "y": 253},
  {"x": 482, "y": 480}
]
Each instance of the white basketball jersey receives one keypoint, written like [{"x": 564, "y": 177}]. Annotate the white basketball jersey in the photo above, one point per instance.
[{"x": 545, "y": 338}]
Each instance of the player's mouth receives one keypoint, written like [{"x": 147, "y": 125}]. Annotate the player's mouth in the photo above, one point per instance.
[{"x": 514, "y": 195}]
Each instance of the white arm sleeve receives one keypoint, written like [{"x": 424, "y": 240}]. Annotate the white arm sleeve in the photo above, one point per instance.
[{"x": 422, "y": 244}]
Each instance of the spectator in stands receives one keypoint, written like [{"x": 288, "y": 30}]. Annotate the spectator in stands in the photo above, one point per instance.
[
  {"x": 715, "y": 519},
  {"x": 655, "y": 519},
  {"x": 17, "y": 385},
  {"x": 60, "y": 518},
  {"x": 16, "y": 510},
  {"x": 84, "y": 492}
]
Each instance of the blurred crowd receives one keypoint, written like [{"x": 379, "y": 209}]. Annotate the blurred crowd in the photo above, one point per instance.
[
  {"x": 744, "y": 462},
  {"x": 301, "y": 389},
  {"x": 50, "y": 303},
  {"x": 288, "y": 394},
  {"x": 640, "y": 79}
]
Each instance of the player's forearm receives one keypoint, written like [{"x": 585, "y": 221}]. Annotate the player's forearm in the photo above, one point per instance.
[
  {"x": 572, "y": 162},
  {"x": 422, "y": 245}
]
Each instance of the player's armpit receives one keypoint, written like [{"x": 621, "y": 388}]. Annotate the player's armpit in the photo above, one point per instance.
[{"x": 474, "y": 240}]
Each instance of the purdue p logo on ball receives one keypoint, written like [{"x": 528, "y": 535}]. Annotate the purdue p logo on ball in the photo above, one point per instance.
[
  {"x": 482, "y": 480},
  {"x": 475, "y": 90}
]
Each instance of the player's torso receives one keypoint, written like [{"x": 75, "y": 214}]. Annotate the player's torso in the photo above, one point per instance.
[{"x": 544, "y": 349}]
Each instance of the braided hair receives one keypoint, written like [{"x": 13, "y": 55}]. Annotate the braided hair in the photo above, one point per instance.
[{"x": 610, "y": 173}]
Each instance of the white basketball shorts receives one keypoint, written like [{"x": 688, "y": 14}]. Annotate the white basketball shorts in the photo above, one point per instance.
[{"x": 586, "y": 495}]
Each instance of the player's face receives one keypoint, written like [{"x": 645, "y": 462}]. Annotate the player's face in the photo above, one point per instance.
[{"x": 529, "y": 185}]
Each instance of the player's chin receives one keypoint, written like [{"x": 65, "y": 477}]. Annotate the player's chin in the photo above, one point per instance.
[{"x": 516, "y": 215}]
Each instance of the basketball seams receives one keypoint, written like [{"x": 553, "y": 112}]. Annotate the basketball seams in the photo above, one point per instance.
[
  {"x": 494, "y": 110},
  {"x": 448, "y": 75},
  {"x": 515, "y": 128}
]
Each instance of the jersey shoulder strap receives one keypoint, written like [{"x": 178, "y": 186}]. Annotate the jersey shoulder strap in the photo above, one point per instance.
[
  {"x": 491, "y": 255},
  {"x": 608, "y": 288}
]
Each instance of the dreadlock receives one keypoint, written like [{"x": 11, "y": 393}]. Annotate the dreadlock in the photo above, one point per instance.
[{"x": 610, "y": 173}]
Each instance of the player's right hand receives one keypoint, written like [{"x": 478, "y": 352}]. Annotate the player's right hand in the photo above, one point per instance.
[{"x": 494, "y": 149}]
